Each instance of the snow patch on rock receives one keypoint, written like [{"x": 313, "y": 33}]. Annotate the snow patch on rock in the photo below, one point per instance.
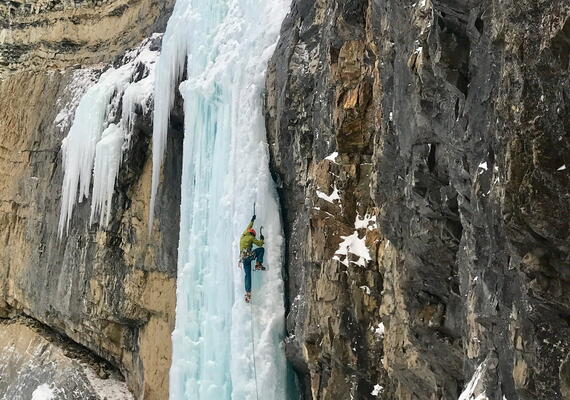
[
  {"x": 109, "y": 389},
  {"x": 330, "y": 198},
  {"x": 377, "y": 390},
  {"x": 43, "y": 392},
  {"x": 332, "y": 157},
  {"x": 379, "y": 331},
  {"x": 367, "y": 221},
  {"x": 355, "y": 245},
  {"x": 81, "y": 80},
  {"x": 474, "y": 387}
]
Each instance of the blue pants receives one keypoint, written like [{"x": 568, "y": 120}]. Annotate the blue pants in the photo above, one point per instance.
[{"x": 257, "y": 255}]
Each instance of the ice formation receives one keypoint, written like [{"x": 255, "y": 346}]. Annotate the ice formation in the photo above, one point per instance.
[
  {"x": 225, "y": 45},
  {"x": 94, "y": 145}
]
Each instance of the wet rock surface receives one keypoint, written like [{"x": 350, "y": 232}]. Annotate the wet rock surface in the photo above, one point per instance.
[{"x": 458, "y": 113}]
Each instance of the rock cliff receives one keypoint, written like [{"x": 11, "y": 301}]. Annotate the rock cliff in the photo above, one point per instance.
[
  {"x": 112, "y": 291},
  {"x": 40, "y": 34},
  {"x": 421, "y": 154},
  {"x": 451, "y": 121}
]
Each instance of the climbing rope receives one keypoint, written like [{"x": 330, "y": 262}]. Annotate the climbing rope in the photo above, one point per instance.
[
  {"x": 253, "y": 330},
  {"x": 253, "y": 344}
]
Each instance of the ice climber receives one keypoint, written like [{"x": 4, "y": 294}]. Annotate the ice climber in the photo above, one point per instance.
[{"x": 247, "y": 255}]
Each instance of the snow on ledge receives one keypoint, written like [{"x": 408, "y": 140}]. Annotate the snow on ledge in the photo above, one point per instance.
[
  {"x": 332, "y": 157},
  {"x": 333, "y": 196},
  {"x": 354, "y": 245},
  {"x": 367, "y": 221},
  {"x": 110, "y": 389},
  {"x": 377, "y": 390}
]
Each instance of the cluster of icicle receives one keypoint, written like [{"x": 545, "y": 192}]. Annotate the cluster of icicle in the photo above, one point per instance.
[{"x": 94, "y": 147}]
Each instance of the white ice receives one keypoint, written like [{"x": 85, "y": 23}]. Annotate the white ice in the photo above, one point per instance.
[
  {"x": 94, "y": 146},
  {"x": 353, "y": 244},
  {"x": 225, "y": 45}
]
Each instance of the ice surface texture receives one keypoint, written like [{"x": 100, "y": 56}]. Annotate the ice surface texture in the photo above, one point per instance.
[
  {"x": 225, "y": 45},
  {"x": 94, "y": 145}
]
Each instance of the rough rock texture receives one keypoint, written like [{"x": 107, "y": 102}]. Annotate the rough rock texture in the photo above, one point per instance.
[
  {"x": 111, "y": 291},
  {"x": 42, "y": 34},
  {"x": 322, "y": 85},
  {"x": 29, "y": 360},
  {"x": 451, "y": 122}
]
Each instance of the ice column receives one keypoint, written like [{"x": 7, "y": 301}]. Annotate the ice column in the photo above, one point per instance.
[{"x": 226, "y": 45}]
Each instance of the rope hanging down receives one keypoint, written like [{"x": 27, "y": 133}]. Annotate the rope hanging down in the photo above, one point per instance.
[
  {"x": 253, "y": 344},
  {"x": 253, "y": 331}
]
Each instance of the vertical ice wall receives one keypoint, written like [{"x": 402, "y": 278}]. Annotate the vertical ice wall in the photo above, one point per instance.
[{"x": 225, "y": 45}]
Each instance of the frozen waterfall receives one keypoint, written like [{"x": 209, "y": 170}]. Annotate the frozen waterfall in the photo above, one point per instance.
[
  {"x": 225, "y": 45},
  {"x": 222, "y": 48}
]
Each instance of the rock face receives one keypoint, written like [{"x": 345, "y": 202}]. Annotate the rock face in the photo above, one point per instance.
[
  {"x": 323, "y": 96},
  {"x": 40, "y": 34},
  {"x": 111, "y": 291},
  {"x": 421, "y": 152},
  {"x": 31, "y": 363},
  {"x": 451, "y": 122}
]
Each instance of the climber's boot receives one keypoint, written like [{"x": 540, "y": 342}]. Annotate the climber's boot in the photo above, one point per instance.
[
  {"x": 247, "y": 297},
  {"x": 259, "y": 266}
]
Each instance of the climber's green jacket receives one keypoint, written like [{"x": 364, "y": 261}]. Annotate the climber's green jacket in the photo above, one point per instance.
[{"x": 248, "y": 239}]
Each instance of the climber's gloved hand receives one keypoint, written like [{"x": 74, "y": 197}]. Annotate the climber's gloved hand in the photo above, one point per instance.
[
  {"x": 253, "y": 218},
  {"x": 261, "y": 237}
]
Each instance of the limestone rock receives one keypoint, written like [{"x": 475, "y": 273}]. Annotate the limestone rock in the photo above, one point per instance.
[
  {"x": 40, "y": 34},
  {"x": 451, "y": 122},
  {"x": 110, "y": 290}
]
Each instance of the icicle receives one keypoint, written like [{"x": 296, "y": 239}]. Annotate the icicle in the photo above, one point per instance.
[
  {"x": 93, "y": 145},
  {"x": 79, "y": 146},
  {"x": 168, "y": 72},
  {"x": 107, "y": 161}
]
